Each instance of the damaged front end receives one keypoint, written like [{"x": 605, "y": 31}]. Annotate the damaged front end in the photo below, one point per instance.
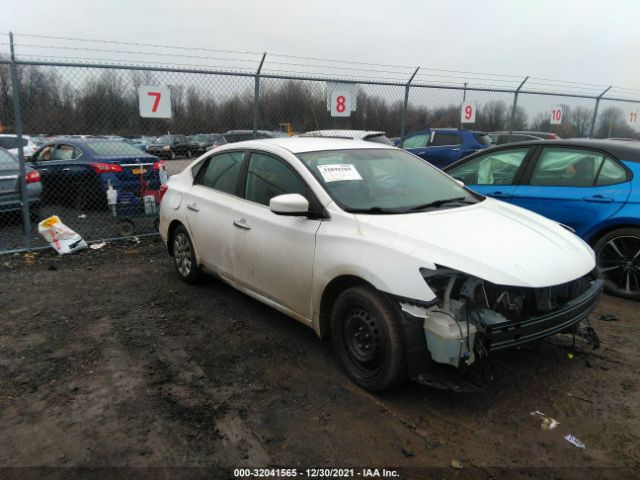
[{"x": 472, "y": 317}]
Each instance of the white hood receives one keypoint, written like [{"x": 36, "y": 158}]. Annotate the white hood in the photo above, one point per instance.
[{"x": 492, "y": 240}]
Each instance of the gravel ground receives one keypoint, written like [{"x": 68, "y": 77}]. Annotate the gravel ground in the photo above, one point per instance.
[{"x": 108, "y": 360}]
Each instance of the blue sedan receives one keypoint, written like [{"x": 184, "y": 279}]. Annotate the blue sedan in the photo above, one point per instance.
[
  {"x": 79, "y": 172},
  {"x": 592, "y": 186}
]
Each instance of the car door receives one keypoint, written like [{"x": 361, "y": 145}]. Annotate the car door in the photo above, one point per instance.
[
  {"x": 416, "y": 143},
  {"x": 210, "y": 209},
  {"x": 49, "y": 170},
  {"x": 576, "y": 186},
  {"x": 494, "y": 173},
  {"x": 273, "y": 254}
]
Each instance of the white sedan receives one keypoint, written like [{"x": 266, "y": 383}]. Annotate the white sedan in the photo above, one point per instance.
[{"x": 399, "y": 264}]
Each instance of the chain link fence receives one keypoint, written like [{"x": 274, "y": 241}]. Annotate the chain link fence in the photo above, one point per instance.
[{"x": 80, "y": 146}]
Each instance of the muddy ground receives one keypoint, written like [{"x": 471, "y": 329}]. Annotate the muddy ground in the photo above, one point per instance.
[{"x": 108, "y": 360}]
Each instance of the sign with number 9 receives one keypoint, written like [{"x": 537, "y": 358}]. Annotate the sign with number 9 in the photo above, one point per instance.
[{"x": 468, "y": 113}]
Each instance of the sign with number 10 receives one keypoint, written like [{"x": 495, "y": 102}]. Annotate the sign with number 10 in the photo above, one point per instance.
[
  {"x": 154, "y": 101},
  {"x": 468, "y": 113},
  {"x": 556, "y": 115}
]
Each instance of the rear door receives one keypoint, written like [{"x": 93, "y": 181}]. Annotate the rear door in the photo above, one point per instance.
[
  {"x": 494, "y": 173},
  {"x": 273, "y": 254},
  {"x": 416, "y": 143},
  {"x": 211, "y": 205},
  {"x": 576, "y": 186}
]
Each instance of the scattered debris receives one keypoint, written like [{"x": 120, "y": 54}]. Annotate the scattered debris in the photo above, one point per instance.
[
  {"x": 608, "y": 317},
  {"x": 574, "y": 441},
  {"x": 61, "y": 238},
  {"x": 407, "y": 453},
  {"x": 457, "y": 464},
  {"x": 548, "y": 423},
  {"x": 580, "y": 398},
  {"x": 97, "y": 246},
  {"x": 30, "y": 258},
  {"x": 82, "y": 215}
]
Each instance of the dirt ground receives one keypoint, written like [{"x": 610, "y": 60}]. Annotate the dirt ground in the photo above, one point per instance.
[{"x": 108, "y": 360}]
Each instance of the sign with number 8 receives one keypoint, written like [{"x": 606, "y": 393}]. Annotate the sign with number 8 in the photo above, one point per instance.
[{"x": 340, "y": 103}]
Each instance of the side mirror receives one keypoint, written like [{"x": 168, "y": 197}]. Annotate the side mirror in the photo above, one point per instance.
[
  {"x": 292, "y": 204},
  {"x": 459, "y": 182}
]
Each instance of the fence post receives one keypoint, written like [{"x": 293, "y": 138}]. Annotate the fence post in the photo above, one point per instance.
[
  {"x": 17, "y": 118},
  {"x": 513, "y": 108},
  {"x": 256, "y": 97},
  {"x": 595, "y": 112},
  {"x": 403, "y": 122}
]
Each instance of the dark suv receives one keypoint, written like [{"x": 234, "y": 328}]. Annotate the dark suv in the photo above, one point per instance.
[
  {"x": 443, "y": 146},
  {"x": 170, "y": 146}
]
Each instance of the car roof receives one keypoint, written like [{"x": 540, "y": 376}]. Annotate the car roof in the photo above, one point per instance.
[
  {"x": 310, "y": 144},
  {"x": 355, "y": 134},
  {"x": 619, "y": 149}
]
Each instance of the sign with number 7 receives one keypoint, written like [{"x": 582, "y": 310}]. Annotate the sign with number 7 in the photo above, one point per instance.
[{"x": 154, "y": 101}]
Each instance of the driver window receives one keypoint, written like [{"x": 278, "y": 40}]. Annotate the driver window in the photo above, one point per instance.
[
  {"x": 269, "y": 177},
  {"x": 417, "y": 140},
  {"x": 45, "y": 154},
  {"x": 498, "y": 168}
]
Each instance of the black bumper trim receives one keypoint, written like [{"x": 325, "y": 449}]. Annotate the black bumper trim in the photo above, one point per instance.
[{"x": 512, "y": 334}]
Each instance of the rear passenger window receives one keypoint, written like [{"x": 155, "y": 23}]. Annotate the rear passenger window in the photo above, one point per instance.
[
  {"x": 567, "y": 167},
  {"x": 269, "y": 177},
  {"x": 495, "y": 168},
  {"x": 442, "y": 139},
  {"x": 222, "y": 172},
  {"x": 611, "y": 173}
]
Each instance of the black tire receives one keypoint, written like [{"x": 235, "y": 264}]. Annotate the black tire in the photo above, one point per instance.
[
  {"x": 367, "y": 339},
  {"x": 125, "y": 228},
  {"x": 618, "y": 262},
  {"x": 184, "y": 257}
]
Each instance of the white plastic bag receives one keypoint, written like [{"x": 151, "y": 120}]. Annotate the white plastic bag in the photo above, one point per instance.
[{"x": 61, "y": 238}]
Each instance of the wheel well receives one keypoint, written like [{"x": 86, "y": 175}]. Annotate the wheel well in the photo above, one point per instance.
[
  {"x": 172, "y": 228},
  {"x": 329, "y": 296},
  {"x": 601, "y": 233}
]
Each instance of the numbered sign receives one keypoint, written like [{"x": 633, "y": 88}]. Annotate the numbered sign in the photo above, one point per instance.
[
  {"x": 633, "y": 119},
  {"x": 340, "y": 103},
  {"x": 556, "y": 115},
  {"x": 154, "y": 101},
  {"x": 468, "y": 113}
]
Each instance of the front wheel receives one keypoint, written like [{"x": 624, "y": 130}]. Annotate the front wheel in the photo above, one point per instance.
[
  {"x": 618, "y": 262},
  {"x": 367, "y": 339},
  {"x": 184, "y": 256}
]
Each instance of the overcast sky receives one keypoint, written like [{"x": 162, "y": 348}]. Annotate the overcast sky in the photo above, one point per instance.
[{"x": 583, "y": 40}]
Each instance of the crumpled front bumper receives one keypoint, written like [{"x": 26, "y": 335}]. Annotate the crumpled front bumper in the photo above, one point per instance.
[{"x": 514, "y": 333}]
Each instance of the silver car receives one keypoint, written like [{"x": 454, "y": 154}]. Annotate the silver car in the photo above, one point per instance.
[{"x": 10, "y": 185}]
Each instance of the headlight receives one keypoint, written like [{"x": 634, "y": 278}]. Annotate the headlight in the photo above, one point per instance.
[{"x": 166, "y": 147}]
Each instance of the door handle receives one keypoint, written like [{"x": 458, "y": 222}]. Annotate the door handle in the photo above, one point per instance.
[
  {"x": 242, "y": 223},
  {"x": 598, "y": 199},
  {"x": 193, "y": 207},
  {"x": 66, "y": 169},
  {"x": 498, "y": 195}
]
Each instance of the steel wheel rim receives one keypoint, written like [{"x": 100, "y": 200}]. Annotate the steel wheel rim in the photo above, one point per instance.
[
  {"x": 619, "y": 263},
  {"x": 363, "y": 339},
  {"x": 182, "y": 254}
]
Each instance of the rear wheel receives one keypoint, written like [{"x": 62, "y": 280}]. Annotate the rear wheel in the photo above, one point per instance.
[
  {"x": 366, "y": 336},
  {"x": 184, "y": 256},
  {"x": 618, "y": 262}
]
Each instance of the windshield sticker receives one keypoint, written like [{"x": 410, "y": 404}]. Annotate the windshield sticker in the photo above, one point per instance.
[{"x": 339, "y": 172}]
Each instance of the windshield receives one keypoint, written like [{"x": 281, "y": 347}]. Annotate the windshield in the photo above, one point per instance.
[
  {"x": 164, "y": 139},
  {"x": 384, "y": 181},
  {"x": 7, "y": 161},
  {"x": 201, "y": 137},
  {"x": 109, "y": 148}
]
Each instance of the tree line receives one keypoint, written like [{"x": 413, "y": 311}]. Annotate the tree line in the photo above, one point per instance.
[{"x": 90, "y": 101}]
